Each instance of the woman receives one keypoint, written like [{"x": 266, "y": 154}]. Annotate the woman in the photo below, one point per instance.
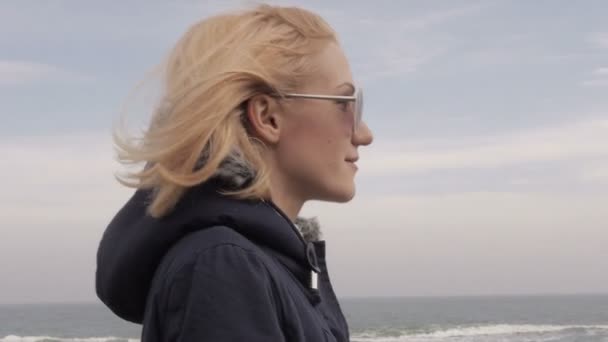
[{"x": 260, "y": 114}]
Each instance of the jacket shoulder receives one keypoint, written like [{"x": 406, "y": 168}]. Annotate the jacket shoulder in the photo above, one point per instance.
[
  {"x": 215, "y": 284},
  {"x": 188, "y": 248}
]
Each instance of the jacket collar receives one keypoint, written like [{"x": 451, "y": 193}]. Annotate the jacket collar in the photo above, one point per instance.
[{"x": 235, "y": 172}]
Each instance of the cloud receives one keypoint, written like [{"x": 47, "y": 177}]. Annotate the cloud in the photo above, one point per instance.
[
  {"x": 403, "y": 23},
  {"x": 13, "y": 72},
  {"x": 601, "y": 71},
  {"x": 588, "y": 139},
  {"x": 595, "y": 83},
  {"x": 601, "y": 79},
  {"x": 437, "y": 17},
  {"x": 62, "y": 191},
  {"x": 392, "y": 46},
  {"x": 158, "y": 24},
  {"x": 50, "y": 174},
  {"x": 398, "y": 57},
  {"x": 595, "y": 173},
  {"x": 519, "y": 54},
  {"x": 466, "y": 243},
  {"x": 59, "y": 194},
  {"x": 598, "y": 39}
]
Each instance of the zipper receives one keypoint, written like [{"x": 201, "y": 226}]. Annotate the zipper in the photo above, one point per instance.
[{"x": 313, "y": 279}]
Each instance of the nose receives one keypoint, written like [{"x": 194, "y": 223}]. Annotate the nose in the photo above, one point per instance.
[{"x": 363, "y": 135}]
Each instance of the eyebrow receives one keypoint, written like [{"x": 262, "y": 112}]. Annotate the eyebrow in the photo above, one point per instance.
[{"x": 348, "y": 84}]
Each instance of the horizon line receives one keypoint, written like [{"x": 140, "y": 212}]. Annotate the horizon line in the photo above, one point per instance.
[{"x": 531, "y": 294}]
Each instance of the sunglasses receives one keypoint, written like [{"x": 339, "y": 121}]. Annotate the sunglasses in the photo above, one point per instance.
[{"x": 357, "y": 98}]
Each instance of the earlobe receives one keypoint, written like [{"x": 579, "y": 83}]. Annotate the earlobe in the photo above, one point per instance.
[{"x": 263, "y": 120}]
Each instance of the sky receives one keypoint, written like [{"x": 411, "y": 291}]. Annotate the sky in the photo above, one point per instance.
[{"x": 488, "y": 173}]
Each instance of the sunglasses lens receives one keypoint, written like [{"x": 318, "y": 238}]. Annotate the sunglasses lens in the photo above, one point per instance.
[{"x": 358, "y": 108}]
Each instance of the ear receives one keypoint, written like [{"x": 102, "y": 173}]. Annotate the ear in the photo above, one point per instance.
[{"x": 264, "y": 117}]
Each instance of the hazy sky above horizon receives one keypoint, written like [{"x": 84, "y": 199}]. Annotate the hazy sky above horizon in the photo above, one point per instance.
[{"x": 488, "y": 174}]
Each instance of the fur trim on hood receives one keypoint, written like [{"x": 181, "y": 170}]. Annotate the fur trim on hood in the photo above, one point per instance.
[{"x": 235, "y": 172}]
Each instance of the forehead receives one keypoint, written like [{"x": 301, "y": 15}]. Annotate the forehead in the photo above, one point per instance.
[{"x": 332, "y": 68}]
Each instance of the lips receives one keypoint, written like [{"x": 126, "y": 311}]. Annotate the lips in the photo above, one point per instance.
[{"x": 352, "y": 161}]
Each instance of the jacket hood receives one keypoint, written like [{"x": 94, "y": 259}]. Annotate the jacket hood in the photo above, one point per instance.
[{"x": 134, "y": 243}]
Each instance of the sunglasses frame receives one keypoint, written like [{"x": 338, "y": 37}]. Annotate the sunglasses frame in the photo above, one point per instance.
[{"x": 357, "y": 97}]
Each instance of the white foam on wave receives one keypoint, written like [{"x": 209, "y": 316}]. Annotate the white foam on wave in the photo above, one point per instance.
[
  {"x": 371, "y": 336},
  {"x": 15, "y": 338},
  {"x": 472, "y": 331}
]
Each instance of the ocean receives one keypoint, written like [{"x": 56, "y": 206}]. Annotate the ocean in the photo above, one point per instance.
[{"x": 550, "y": 318}]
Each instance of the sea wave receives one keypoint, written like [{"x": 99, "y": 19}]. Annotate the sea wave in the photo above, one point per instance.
[
  {"x": 461, "y": 333},
  {"x": 15, "y": 338},
  {"x": 464, "y": 332}
]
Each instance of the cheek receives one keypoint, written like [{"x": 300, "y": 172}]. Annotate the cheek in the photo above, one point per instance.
[
  {"x": 331, "y": 153},
  {"x": 311, "y": 148},
  {"x": 313, "y": 140}
]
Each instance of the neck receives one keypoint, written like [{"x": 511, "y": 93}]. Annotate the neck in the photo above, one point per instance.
[{"x": 285, "y": 199}]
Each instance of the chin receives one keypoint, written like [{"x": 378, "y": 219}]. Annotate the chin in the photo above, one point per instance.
[{"x": 341, "y": 193}]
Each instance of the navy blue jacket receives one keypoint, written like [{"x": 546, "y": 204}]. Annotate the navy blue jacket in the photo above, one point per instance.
[{"x": 217, "y": 269}]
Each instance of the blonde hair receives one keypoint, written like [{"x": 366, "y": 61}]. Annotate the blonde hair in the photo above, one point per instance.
[{"x": 215, "y": 67}]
